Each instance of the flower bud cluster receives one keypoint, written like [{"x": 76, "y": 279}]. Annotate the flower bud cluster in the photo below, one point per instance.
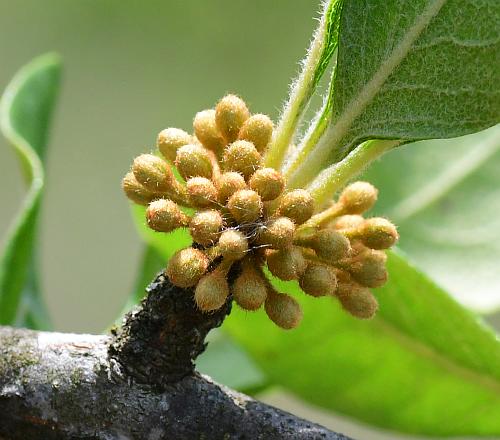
[{"x": 245, "y": 219}]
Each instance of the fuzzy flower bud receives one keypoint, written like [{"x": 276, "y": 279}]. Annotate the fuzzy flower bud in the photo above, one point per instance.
[
  {"x": 377, "y": 233},
  {"x": 249, "y": 289},
  {"x": 346, "y": 222},
  {"x": 283, "y": 310},
  {"x": 193, "y": 160},
  {"x": 286, "y": 264},
  {"x": 368, "y": 268},
  {"x": 257, "y": 129},
  {"x": 277, "y": 233},
  {"x": 233, "y": 245},
  {"x": 152, "y": 172},
  {"x": 230, "y": 114},
  {"x": 268, "y": 183},
  {"x": 358, "y": 197},
  {"x": 228, "y": 184},
  {"x": 359, "y": 302},
  {"x": 297, "y": 205},
  {"x": 135, "y": 191},
  {"x": 211, "y": 291},
  {"x": 329, "y": 245},
  {"x": 202, "y": 192},
  {"x": 245, "y": 206},
  {"x": 170, "y": 140},
  {"x": 207, "y": 132},
  {"x": 318, "y": 280},
  {"x": 164, "y": 215},
  {"x": 205, "y": 227},
  {"x": 242, "y": 157},
  {"x": 186, "y": 267}
]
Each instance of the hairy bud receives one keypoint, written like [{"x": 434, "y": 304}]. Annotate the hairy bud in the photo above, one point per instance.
[
  {"x": 211, "y": 291},
  {"x": 268, "y": 183},
  {"x": 286, "y": 264},
  {"x": 318, "y": 280},
  {"x": 164, "y": 215},
  {"x": 202, "y": 192},
  {"x": 193, "y": 160},
  {"x": 249, "y": 289},
  {"x": 359, "y": 302},
  {"x": 377, "y": 233},
  {"x": 368, "y": 268},
  {"x": 283, "y": 310},
  {"x": 152, "y": 172},
  {"x": 297, "y": 205},
  {"x": 358, "y": 197},
  {"x": 257, "y": 129},
  {"x": 277, "y": 233},
  {"x": 346, "y": 222},
  {"x": 205, "y": 227},
  {"x": 233, "y": 245},
  {"x": 245, "y": 206},
  {"x": 186, "y": 267},
  {"x": 228, "y": 184},
  {"x": 230, "y": 114},
  {"x": 329, "y": 245},
  {"x": 207, "y": 132},
  {"x": 242, "y": 156},
  {"x": 170, "y": 140},
  {"x": 135, "y": 191}
]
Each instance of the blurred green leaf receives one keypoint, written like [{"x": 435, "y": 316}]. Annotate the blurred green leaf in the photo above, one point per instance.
[
  {"x": 25, "y": 111},
  {"x": 423, "y": 365},
  {"x": 445, "y": 198}
]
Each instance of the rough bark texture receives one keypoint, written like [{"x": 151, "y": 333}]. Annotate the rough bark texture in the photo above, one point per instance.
[{"x": 137, "y": 384}]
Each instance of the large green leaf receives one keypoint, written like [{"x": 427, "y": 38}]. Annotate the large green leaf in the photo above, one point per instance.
[
  {"x": 411, "y": 70},
  {"x": 445, "y": 198},
  {"x": 423, "y": 365},
  {"x": 25, "y": 111}
]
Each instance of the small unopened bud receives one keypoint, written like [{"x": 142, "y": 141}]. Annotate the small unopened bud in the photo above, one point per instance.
[
  {"x": 283, "y": 310},
  {"x": 164, "y": 215},
  {"x": 257, "y": 129},
  {"x": 368, "y": 269},
  {"x": 170, "y": 140},
  {"x": 249, "y": 289},
  {"x": 186, "y": 267},
  {"x": 205, "y": 227},
  {"x": 268, "y": 183},
  {"x": 277, "y": 233},
  {"x": 377, "y": 233},
  {"x": 328, "y": 244},
  {"x": 135, "y": 191},
  {"x": 358, "y": 197},
  {"x": 202, "y": 192},
  {"x": 245, "y": 206},
  {"x": 318, "y": 280},
  {"x": 286, "y": 264},
  {"x": 152, "y": 172},
  {"x": 233, "y": 245},
  {"x": 297, "y": 205},
  {"x": 230, "y": 114},
  {"x": 346, "y": 222},
  {"x": 228, "y": 184},
  {"x": 207, "y": 132},
  {"x": 242, "y": 156},
  {"x": 193, "y": 160},
  {"x": 359, "y": 302},
  {"x": 211, "y": 291}
]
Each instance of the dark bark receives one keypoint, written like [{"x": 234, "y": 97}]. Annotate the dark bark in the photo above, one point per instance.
[{"x": 138, "y": 384}]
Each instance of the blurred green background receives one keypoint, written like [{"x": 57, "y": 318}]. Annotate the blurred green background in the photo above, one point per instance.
[{"x": 130, "y": 69}]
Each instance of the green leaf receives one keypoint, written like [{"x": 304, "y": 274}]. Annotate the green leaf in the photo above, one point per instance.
[
  {"x": 445, "y": 198},
  {"x": 422, "y": 365},
  {"x": 410, "y": 70},
  {"x": 25, "y": 111}
]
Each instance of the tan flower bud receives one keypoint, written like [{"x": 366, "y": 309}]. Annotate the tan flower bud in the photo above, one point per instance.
[
  {"x": 211, "y": 291},
  {"x": 283, "y": 310},
  {"x": 318, "y": 280},
  {"x": 286, "y": 264},
  {"x": 202, "y": 192},
  {"x": 329, "y": 245},
  {"x": 136, "y": 192},
  {"x": 257, "y": 129},
  {"x": 298, "y": 205},
  {"x": 359, "y": 302},
  {"x": 245, "y": 206},
  {"x": 170, "y": 140},
  {"x": 186, "y": 267},
  {"x": 192, "y": 161},
  {"x": 346, "y": 222},
  {"x": 377, "y": 233},
  {"x": 152, "y": 172},
  {"x": 250, "y": 288},
  {"x": 228, "y": 184},
  {"x": 277, "y": 233},
  {"x": 233, "y": 245},
  {"x": 268, "y": 183},
  {"x": 205, "y": 227},
  {"x": 368, "y": 268},
  {"x": 230, "y": 114},
  {"x": 207, "y": 132},
  {"x": 164, "y": 215},
  {"x": 242, "y": 157},
  {"x": 358, "y": 197}
]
